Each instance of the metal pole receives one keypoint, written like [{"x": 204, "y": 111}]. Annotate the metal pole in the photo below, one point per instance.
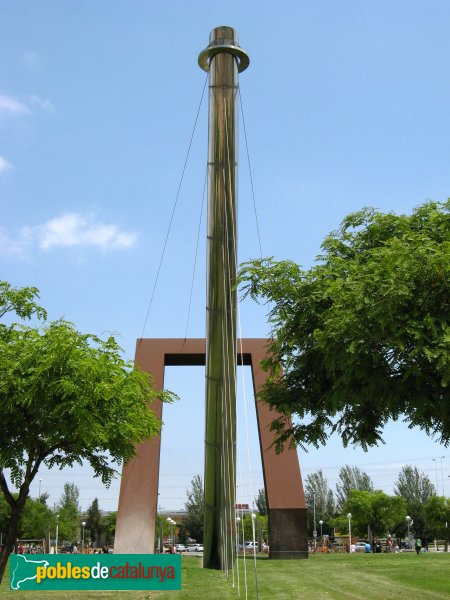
[
  {"x": 83, "y": 525},
  {"x": 314, "y": 521},
  {"x": 223, "y": 58},
  {"x": 56, "y": 549},
  {"x": 349, "y": 517},
  {"x": 437, "y": 484}
]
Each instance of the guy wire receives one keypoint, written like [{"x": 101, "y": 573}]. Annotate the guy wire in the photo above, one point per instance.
[{"x": 173, "y": 212}]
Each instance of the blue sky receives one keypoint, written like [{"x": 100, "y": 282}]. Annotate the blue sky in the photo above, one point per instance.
[{"x": 346, "y": 105}]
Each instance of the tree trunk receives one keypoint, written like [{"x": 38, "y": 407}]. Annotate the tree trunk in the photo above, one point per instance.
[{"x": 11, "y": 537}]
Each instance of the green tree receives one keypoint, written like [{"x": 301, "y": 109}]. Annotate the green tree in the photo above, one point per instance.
[
  {"x": 108, "y": 526},
  {"x": 66, "y": 397},
  {"x": 375, "y": 511},
  {"x": 319, "y": 500},
  {"x": 195, "y": 511},
  {"x": 94, "y": 523},
  {"x": 437, "y": 516},
  {"x": 36, "y": 520},
  {"x": 418, "y": 527},
  {"x": 5, "y": 512},
  {"x": 413, "y": 486},
  {"x": 20, "y": 301},
  {"x": 351, "y": 478},
  {"x": 69, "y": 513},
  {"x": 261, "y": 502},
  {"x": 363, "y": 336},
  {"x": 245, "y": 528}
]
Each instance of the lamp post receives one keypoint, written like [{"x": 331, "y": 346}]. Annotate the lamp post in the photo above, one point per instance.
[
  {"x": 437, "y": 484},
  {"x": 238, "y": 522},
  {"x": 83, "y": 525},
  {"x": 446, "y": 527},
  {"x": 408, "y": 523},
  {"x": 174, "y": 534},
  {"x": 314, "y": 520},
  {"x": 349, "y": 517},
  {"x": 169, "y": 520},
  {"x": 321, "y": 523},
  {"x": 442, "y": 476},
  {"x": 57, "y": 524},
  {"x": 253, "y": 532}
]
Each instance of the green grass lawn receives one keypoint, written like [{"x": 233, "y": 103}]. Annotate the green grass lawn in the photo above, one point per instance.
[{"x": 339, "y": 577}]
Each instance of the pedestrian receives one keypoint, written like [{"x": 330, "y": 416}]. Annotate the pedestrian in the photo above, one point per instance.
[
  {"x": 418, "y": 546},
  {"x": 74, "y": 549}
]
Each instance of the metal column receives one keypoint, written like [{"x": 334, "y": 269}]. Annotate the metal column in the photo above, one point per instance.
[{"x": 223, "y": 59}]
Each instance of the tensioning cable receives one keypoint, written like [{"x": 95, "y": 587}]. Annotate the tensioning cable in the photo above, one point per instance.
[{"x": 173, "y": 212}]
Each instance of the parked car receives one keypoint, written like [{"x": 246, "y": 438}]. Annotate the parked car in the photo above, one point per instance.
[
  {"x": 363, "y": 547},
  {"x": 180, "y": 547},
  {"x": 195, "y": 548}
]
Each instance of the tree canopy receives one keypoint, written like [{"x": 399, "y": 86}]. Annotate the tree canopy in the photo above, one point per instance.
[
  {"x": 66, "y": 397},
  {"x": 69, "y": 513},
  {"x": 320, "y": 501},
  {"x": 351, "y": 478},
  {"x": 94, "y": 525},
  {"x": 375, "y": 510},
  {"x": 195, "y": 509},
  {"x": 414, "y": 486},
  {"x": 261, "y": 502},
  {"x": 363, "y": 336}
]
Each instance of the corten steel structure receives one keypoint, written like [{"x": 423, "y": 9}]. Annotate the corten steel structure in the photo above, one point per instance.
[
  {"x": 135, "y": 530},
  {"x": 136, "y": 519}
]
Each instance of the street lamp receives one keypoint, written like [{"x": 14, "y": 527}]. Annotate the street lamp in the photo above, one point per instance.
[
  {"x": 83, "y": 525},
  {"x": 174, "y": 532},
  {"x": 238, "y": 521},
  {"x": 56, "y": 549},
  {"x": 172, "y": 525},
  {"x": 437, "y": 484},
  {"x": 169, "y": 520},
  {"x": 321, "y": 523},
  {"x": 253, "y": 532},
  {"x": 408, "y": 523},
  {"x": 349, "y": 517},
  {"x": 314, "y": 520}
]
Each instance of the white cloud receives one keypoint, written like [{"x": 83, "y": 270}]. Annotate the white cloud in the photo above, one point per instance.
[
  {"x": 44, "y": 104},
  {"x": 74, "y": 229},
  {"x": 4, "y": 165},
  {"x": 9, "y": 106}
]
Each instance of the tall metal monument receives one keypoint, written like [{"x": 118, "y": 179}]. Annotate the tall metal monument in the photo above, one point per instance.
[
  {"x": 220, "y": 353},
  {"x": 223, "y": 58}
]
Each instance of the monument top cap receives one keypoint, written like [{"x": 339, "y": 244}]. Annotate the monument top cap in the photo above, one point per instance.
[{"x": 223, "y": 39}]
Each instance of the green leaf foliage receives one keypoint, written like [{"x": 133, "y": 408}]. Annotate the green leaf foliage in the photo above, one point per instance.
[
  {"x": 363, "y": 336},
  {"x": 437, "y": 516},
  {"x": 413, "y": 486},
  {"x": 195, "y": 510},
  {"x": 351, "y": 478},
  {"x": 68, "y": 397},
  {"x": 375, "y": 510},
  {"x": 20, "y": 301},
  {"x": 320, "y": 502}
]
